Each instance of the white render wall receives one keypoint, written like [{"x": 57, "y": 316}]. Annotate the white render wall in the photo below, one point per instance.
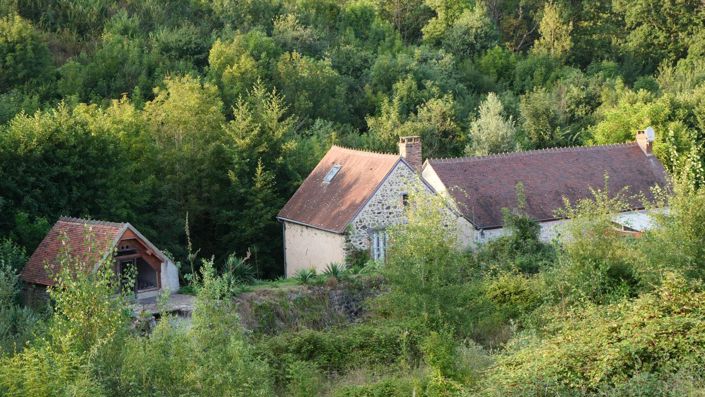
[
  {"x": 170, "y": 277},
  {"x": 385, "y": 208},
  {"x": 306, "y": 247},
  {"x": 555, "y": 230}
]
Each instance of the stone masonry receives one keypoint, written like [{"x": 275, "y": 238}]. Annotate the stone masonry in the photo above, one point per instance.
[{"x": 386, "y": 207}]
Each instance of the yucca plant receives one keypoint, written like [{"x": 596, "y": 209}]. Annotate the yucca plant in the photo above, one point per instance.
[
  {"x": 240, "y": 270},
  {"x": 306, "y": 276},
  {"x": 336, "y": 270}
]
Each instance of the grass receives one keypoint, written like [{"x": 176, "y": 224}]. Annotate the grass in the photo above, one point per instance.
[{"x": 274, "y": 284}]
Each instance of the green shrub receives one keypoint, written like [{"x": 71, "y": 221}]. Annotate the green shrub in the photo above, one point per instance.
[
  {"x": 428, "y": 276},
  {"x": 303, "y": 379},
  {"x": 306, "y": 276},
  {"x": 439, "y": 353},
  {"x": 340, "y": 350},
  {"x": 514, "y": 294},
  {"x": 394, "y": 387},
  {"x": 440, "y": 386},
  {"x": 240, "y": 270},
  {"x": 586, "y": 350},
  {"x": 12, "y": 256},
  {"x": 335, "y": 270},
  {"x": 596, "y": 263},
  {"x": 521, "y": 249}
]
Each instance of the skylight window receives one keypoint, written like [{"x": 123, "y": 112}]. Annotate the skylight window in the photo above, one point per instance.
[{"x": 332, "y": 173}]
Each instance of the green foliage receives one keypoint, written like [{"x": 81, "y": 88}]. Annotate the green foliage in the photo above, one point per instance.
[
  {"x": 439, "y": 353},
  {"x": 394, "y": 387},
  {"x": 470, "y": 33},
  {"x": 491, "y": 132},
  {"x": 239, "y": 270},
  {"x": 427, "y": 274},
  {"x": 595, "y": 264},
  {"x": 224, "y": 107},
  {"x": 555, "y": 39},
  {"x": 12, "y": 256},
  {"x": 306, "y": 276},
  {"x": 16, "y": 322},
  {"x": 210, "y": 357},
  {"x": 24, "y": 56},
  {"x": 674, "y": 243},
  {"x": 601, "y": 346},
  {"x": 303, "y": 379},
  {"x": 335, "y": 270},
  {"x": 521, "y": 249},
  {"x": 343, "y": 350},
  {"x": 88, "y": 323}
]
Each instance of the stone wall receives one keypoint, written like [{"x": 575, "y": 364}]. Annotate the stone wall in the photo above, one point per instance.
[
  {"x": 385, "y": 208},
  {"x": 273, "y": 311}
]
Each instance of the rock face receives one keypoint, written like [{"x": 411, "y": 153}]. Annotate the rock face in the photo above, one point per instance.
[{"x": 314, "y": 307}]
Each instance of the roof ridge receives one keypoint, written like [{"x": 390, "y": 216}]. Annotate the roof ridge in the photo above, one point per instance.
[
  {"x": 559, "y": 149},
  {"x": 70, "y": 219},
  {"x": 366, "y": 151}
]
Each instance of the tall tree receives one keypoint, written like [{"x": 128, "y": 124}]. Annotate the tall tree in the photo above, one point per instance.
[
  {"x": 260, "y": 141},
  {"x": 555, "y": 39},
  {"x": 491, "y": 132},
  {"x": 186, "y": 123}
]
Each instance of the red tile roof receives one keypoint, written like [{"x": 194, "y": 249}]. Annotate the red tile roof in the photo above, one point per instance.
[
  {"x": 482, "y": 186},
  {"x": 331, "y": 206},
  {"x": 86, "y": 239}
]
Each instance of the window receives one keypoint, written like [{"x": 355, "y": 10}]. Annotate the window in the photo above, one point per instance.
[
  {"x": 332, "y": 173},
  {"x": 379, "y": 244},
  {"x": 405, "y": 199}
]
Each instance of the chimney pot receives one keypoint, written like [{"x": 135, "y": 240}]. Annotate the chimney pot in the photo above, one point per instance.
[
  {"x": 410, "y": 150},
  {"x": 646, "y": 139}
]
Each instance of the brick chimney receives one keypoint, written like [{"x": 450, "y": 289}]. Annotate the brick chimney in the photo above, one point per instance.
[
  {"x": 646, "y": 139},
  {"x": 410, "y": 150}
]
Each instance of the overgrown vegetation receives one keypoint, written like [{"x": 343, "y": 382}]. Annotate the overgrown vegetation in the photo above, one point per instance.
[
  {"x": 595, "y": 313},
  {"x": 196, "y": 120}
]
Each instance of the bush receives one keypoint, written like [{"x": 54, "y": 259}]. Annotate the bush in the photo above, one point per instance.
[
  {"x": 16, "y": 322},
  {"x": 394, "y": 387},
  {"x": 659, "y": 333},
  {"x": 211, "y": 357},
  {"x": 596, "y": 263},
  {"x": 439, "y": 353},
  {"x": 239, "y": 270},
  {"x": 306, "y": 276},
  {"x": 427, "y": 274},
  {"x": 340, "y": 350},
  {"x": 303, "y": 379},
  {"x": 12, "y": 256},
  {"x": 521, "y": 250},
  {"x": 335, "y": 270}
]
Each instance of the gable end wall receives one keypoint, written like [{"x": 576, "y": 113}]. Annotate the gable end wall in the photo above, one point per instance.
[{"x": 385, "y": 208}]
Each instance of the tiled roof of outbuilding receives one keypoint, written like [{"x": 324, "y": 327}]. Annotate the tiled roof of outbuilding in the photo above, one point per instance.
[
  {"x": 331, "y": 206},
  {"x": 482, "y": 186},
  {"x": 88, "y": 240}
]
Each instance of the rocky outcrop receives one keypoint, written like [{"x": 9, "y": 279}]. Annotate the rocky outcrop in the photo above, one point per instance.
[{"x": 271, "y": 311}]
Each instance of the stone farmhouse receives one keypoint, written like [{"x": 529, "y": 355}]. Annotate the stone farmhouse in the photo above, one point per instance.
[
  {"x": 480, "y": 187},
  {"x": 94, "y": 241},
  {"x": 352, "y": 196},
  {"x": 347, "y": 202}
]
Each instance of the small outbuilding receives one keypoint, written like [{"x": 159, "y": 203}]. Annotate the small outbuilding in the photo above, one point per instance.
[{"x": 92, "y": 242}]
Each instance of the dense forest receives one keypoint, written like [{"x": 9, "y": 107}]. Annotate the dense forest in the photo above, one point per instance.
[
  {"x": 211, "y": 113},
  {"x": 196, "y": 120}
]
